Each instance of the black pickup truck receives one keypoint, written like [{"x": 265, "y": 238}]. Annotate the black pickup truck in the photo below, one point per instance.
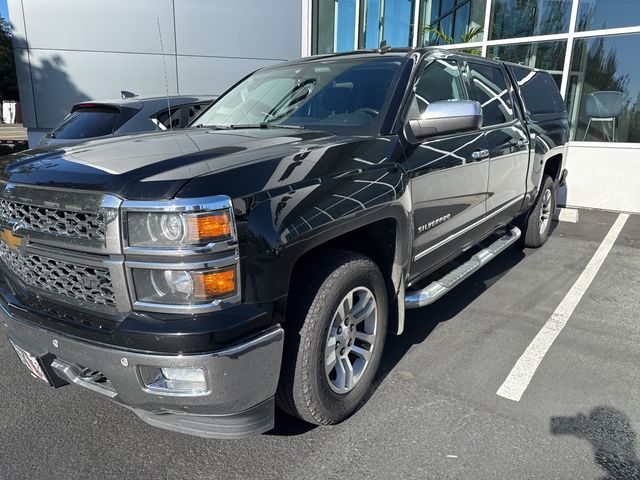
[{"x": 260, "y": 257}]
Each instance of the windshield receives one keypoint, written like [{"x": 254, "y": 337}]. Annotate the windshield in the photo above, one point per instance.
[{"x": 346, "y": 96}]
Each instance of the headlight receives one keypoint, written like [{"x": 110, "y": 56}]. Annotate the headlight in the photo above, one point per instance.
[
  {"x": 184, "y": 287},
  {"x": 178, "y": 230},
  {"x": 181, "y": 255}
]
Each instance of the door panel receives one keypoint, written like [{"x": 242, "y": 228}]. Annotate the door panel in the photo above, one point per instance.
[
  {"x": 506, "y": 138},
  {"x": 449, "y": 189},
  {"x": 509, "y": 150},
  {"x": 449, "y": 174}
]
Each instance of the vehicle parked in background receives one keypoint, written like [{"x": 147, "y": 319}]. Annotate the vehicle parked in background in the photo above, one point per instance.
[
  {"x": 200, "y": 276},
  {"x": 98, "y": 119}
]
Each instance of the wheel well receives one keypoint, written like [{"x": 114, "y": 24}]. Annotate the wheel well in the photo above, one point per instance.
[
  {"x": 552, "y": 167},
  {"x": 376, "y": 241}
]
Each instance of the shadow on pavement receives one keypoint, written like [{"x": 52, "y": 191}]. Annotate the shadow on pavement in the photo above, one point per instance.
[
  {"x": 612, "y": 437},
  {"x": 288, "y": 426},
  {"x": 421, "y": 322}
]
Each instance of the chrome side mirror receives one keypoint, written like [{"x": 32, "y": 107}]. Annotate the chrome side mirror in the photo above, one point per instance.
[{"x": 449, "y": 116}]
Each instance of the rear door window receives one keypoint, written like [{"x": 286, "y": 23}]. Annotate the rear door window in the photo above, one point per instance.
[
  {"x": 180, "y": 115},
  {"x": 539, "y": 92},
  {"x": 88, "y": 123},
  {"x": 489, "y": 87},
  {"x": 167, "y": 119}
]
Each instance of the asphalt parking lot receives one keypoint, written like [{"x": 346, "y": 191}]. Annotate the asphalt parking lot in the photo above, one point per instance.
[{"x": 436, "y": 412}]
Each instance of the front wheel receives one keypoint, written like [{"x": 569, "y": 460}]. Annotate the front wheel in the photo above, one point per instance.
[
  {"x": 538, "y": 224},
  {"x": 334, "y": 338}
]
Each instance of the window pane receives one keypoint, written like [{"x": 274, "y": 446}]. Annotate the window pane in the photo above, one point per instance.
[
  {"x": 489, "y": 87},
  {"x": 87, "y": 123},
  {"x": 344, "y": 96},
  {"x": 435, "y": 7},
  {"x": 597, "y": 14},
  {"x": 164, "y": 120},
  {"x": 524, "y": 18},
  {"x": 334, "y": 26},
  {"x": 446, "y": 6},
  {"x": 439, "y": 81},
  {"x": 604, "y": 89},
  {"x": 544, "y": 55},
  {"x": 446, "y": 25},
  {"x": 539, "y": 91},
  {"x": 398, "y": 17},
  {"x": 371, "y": 34},
  {"x": 461, "y": 23},
  {"x": 467, "y": 16}
]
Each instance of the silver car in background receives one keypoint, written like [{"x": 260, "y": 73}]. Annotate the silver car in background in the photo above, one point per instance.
[{"x": 99, "y": 119}]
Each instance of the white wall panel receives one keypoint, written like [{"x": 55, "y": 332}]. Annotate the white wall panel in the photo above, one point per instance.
[
  {"x": 239, "y": 28},
  {"x": 101, "y": 25},
  {"x": 605, "y": 176},
  {"x": 61, "y": 79}
]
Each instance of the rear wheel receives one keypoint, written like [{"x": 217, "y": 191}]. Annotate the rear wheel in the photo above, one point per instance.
[
  {"x": 334, "y": 338},
  {"x": 538, "y": 224}
]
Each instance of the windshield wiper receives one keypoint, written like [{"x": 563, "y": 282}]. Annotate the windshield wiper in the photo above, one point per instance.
[
  {"x": 213, "y": 127},
  {"x": 265, "y": 125}
]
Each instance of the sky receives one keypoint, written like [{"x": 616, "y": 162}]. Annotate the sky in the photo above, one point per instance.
[{"x": 3, "y": 9}]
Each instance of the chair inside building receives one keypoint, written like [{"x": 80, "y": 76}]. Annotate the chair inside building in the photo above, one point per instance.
[{"x": 604, "y": 107}]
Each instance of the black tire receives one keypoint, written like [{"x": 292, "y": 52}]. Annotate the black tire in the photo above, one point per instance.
[
  {"x": 535, "y": 232},
  {"x": 305, "y": 391}
]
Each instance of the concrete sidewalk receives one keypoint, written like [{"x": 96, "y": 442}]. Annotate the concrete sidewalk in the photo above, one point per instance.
[{"x": 12, "y": 132}]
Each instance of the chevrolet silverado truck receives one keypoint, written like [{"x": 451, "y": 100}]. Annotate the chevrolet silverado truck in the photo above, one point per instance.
[{"x": 261, "y": 256}]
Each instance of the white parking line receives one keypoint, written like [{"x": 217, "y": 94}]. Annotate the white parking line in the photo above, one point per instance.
[{"x": 522, "y": 373}]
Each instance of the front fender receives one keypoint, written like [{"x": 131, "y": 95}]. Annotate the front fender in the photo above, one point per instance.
[{"x": 282, "y": 228}]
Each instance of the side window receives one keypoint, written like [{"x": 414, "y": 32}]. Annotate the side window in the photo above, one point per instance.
[
  {"x": 489, "y": 88},
  {"x": 164, "y": 120},
  {"x": 539, "y": 91},
  {"x": 440, "y": 80},
  {"x": 193, "y": 111}
]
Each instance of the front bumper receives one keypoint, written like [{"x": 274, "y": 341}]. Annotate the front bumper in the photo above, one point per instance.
[{"x": 241, "y": 379}]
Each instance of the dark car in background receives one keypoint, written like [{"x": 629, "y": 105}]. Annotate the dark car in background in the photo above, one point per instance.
[{"x": 99, "y": 119}]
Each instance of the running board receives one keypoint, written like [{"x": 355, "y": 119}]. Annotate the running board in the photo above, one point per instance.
[{"x": 438, "y": 288}]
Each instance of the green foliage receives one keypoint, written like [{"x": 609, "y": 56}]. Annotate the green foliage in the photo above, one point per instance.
[
  {"x": 467, "y": 37},
  {"x": 8, "y": 81}
]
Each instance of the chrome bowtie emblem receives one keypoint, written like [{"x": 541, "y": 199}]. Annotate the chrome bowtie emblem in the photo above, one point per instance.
[{"x": 11, "y": 240}]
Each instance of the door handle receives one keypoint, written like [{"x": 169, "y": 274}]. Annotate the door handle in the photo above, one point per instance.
[
  {"x": 480, "y": 154},
  {"x": 523, "y": 142}
]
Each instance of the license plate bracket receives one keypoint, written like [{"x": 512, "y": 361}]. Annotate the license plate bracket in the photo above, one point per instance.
[{"x": 32, "y": 363}]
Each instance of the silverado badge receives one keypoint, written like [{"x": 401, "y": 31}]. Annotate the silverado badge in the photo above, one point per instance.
[{"x": 433, "y": 223}]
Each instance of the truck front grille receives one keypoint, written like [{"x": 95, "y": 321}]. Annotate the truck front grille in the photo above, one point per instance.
[
  {"x": 72, "y": 280},
  {"x": 54, "y": 221}
]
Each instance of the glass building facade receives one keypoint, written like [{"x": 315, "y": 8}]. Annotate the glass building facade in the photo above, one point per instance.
[{"x": 590, "y": 46}]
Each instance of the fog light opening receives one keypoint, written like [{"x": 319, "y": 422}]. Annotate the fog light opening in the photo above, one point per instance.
[{"x": 187, "y": 381}]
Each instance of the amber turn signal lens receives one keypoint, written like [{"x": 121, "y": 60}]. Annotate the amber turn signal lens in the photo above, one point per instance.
[
  {"x": 212, "y": 226},
  {"x": 214, "y": 284}
]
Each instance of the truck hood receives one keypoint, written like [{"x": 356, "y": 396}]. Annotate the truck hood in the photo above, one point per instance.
[{"x": 154, "y": 165}]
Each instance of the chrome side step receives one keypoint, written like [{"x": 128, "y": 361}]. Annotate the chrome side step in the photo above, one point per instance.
[{"x": 438, "y": 288}]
